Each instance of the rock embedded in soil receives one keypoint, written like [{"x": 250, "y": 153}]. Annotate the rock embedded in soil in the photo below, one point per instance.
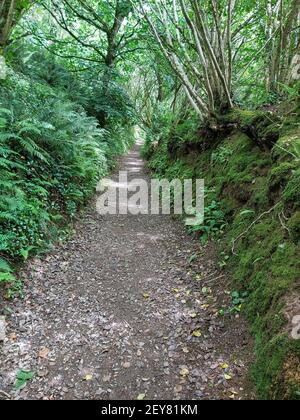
[{"x": 2, "y": 328}]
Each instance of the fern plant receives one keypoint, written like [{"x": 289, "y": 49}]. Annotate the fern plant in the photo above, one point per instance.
[{"x": 52, "y": 152}]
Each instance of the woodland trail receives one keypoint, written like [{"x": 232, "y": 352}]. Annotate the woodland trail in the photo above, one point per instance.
[{"x": 111, "y": 315}]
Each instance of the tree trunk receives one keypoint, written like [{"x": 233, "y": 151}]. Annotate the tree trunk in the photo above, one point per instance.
[
  {"x": 7, "y": 12},
  {"x": 111, "y": 54},
  {"x": 280, "y": 54},
  {"x": 160, "y": 86}
]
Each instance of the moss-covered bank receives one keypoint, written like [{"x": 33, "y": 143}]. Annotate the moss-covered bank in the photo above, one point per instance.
[{"x": 250, "y": 163}]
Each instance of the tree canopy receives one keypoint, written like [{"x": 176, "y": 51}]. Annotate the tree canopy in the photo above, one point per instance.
[{"x": 220, "y": 53}]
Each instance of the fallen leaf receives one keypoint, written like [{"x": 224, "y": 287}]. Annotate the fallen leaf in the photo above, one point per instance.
[
  {"x": 197, "y": 333},
  {"x": 176, "y": 290},
  {"x": 227, "y": 377},
  {"x": 141, "y": 397},
  {"x": 193, "y": 315},
  {"x": 88, "y": 377},
  {"x": 185, "y": 350},
  {"x": 184, "y": 372},
  {"x": 224, "y": 366},
  {"x": 188, "y": 292},
  {"x": 146, "y": 295},
  {"x": 43, "y": 353}
]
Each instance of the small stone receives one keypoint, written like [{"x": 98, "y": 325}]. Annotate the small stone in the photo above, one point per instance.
[
  {"x": 42, "y": 373},
  {"x": 2, "y": 328},
  {"x": 178, "y": 388},
  {"x": 126, "y": 365}
]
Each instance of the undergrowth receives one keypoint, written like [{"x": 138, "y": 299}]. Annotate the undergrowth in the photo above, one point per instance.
[
  {"x": 253, "y": 212},
  {"x": 52, "y": 154}
]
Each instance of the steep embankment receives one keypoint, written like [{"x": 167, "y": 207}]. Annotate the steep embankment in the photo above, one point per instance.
[{"x": 250, "y": 163}]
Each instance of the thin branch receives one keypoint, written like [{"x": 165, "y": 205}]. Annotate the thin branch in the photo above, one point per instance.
[
  {"x": 64, "y": 26},
  {"x": 68, "y": 57},
  {"x": 102, "y": 26},
  {"x": 250, "y": 227},
  {"x": 254, "y": 58}
]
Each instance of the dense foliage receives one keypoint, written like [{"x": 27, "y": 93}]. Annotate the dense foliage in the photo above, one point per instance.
[{"x": 52, "y": 150}]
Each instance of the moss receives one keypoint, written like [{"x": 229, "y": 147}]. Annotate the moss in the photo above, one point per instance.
[
  {"x": 288, "y": 146},
  {"x": 241, "y": 116},
  {"x": 270, "y": 360},
  {"x": 261, "y": 127},
  {"x": 260, "y": 196},
  {"x": 291, "y": 194},
  {"x": 238, "y": 190},
  {"x": 279, "y": 175},
  {"x": 267, "y": 263},
  {"x": 229, "y": 205},
  {"x": 294, "y": 226}
]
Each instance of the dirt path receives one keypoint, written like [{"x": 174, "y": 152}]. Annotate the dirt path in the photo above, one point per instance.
[{"x": 111, "y": 315}]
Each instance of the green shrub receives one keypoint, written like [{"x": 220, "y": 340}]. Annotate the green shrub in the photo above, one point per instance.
[
  {"x": 247, "y": 182},
  {"x": 52, "y": 154}
]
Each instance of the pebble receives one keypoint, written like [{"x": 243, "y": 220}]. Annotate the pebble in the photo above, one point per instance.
[{"x": 2, "y": 328}]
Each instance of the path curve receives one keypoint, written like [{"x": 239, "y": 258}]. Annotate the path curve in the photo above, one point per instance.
[{"x": 111, "y": 315}]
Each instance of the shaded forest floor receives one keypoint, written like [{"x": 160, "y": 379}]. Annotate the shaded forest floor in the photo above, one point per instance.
[{"x": 125, "y": 310}]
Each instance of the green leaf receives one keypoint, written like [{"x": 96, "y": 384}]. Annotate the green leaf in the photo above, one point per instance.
[
  {"x": 22, "y": 378},
  {"x": 4, "y": 266},
  {"x": 246, "y": 212},
  {"x": 6, "y": 277}
]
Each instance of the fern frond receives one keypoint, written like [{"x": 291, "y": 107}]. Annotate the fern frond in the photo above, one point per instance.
[{"x": 33, "y": 149}]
